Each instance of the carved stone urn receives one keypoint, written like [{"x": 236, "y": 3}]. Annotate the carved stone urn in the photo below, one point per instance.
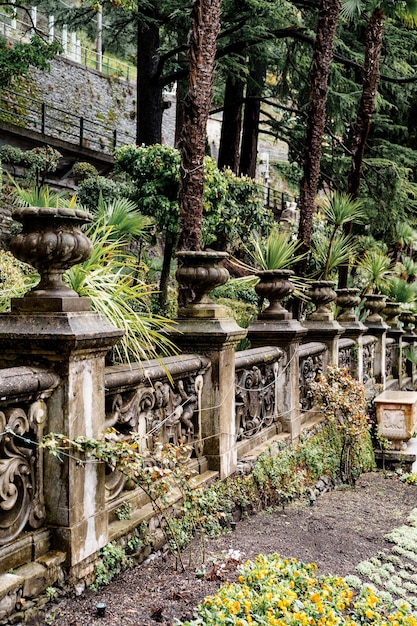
[
  {"x": 322, "y": 294},
  {"x": 391, "y": 311},
  {"x": 198, "y": 273},
  {"x": 375, "y": 303},
  {"x": 408, "y": 320},
  {"x": 347, "y": 300},
  {"x": 51, "y": 241},
  {"x": 274, "y": 285}
]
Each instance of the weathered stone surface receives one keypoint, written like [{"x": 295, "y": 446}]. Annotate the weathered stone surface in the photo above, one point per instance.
[
  {"x": 36, "y": 579},
  {"x": 397, "y": 416},
  {"x": 16, "y": 554}
]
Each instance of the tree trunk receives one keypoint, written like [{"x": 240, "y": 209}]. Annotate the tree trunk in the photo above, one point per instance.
[
  {"x": 249, "y": 147},
  {"x": 316, "y": 118},
  {"x": 169, "y": 248},
  {"x": 149, "y": 90},
  {"x": 232, "y": 124},
  {"x": 373, "y": 42},
  {"x": 205, "y": 25}
]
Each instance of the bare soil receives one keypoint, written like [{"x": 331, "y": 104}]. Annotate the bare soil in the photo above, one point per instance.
[{"x": 342, "y": 528}]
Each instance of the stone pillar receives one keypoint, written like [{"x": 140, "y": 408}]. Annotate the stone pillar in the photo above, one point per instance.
[
  {"x": 73, "y": 345},
  {"x": 355, "y": 331},
  {"x": 53, "y": 327},
  {"x": 205, "y": 328},
  {"x": 287, "y": 335},
  {"x": 379, "y": 331}
]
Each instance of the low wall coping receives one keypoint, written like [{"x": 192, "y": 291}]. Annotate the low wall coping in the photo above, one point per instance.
[{"x": 396, "y": 397}]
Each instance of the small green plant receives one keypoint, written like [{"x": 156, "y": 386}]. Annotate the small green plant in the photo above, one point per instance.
[
  {"x": 124, "y": 512},
  {"x": 50, "y": 592},
  {"x": 112, "y": 560},
  {"x": 82, "y": 170},
  {"x": 134, "y": 543}
]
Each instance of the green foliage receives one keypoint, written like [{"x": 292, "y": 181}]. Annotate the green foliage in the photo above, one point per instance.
[
  {"x": 342, "y": 401},
  {"x": 232, "y": 205},
  {"x": 41, "y": 197},
  {"x": 83, "y": 170},
  {"x": 16, "y": 60},
  {"x": 278, "y": 477},
  {"x": 236, "y": 213},
  {"x": 123, "y": 219},
  {"x": 124, "y": 511},
  {"x": 110, "y": 279},
  {"x": 397, "y": 289},
  {"x": 238, "y": 289},
  {"x": 154, "y": 171},
  {"x": 90, "y": 190},
  {"x": 331, "y": 247},
  {"x": 112, "y": 560},
  {"x": 38, "y": 161},
  {"x": 375, "y": 270},
  {"x": 15, "y": 279},
  {"x": 276, "y": 251}
]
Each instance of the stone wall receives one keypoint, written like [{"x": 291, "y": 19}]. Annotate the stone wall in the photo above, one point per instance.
[{"x": 85, "y": 92}]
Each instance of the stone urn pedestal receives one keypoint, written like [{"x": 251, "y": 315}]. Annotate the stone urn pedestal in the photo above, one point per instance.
[
  {"x": 274, "y": 286},
  {"x": 374, "y": 303},
  {"x": 51, "y": 240},
  {"x": 321, "y": 294},
  {"x": 52, "y": 326},
  {"x": 198, "y": 273},
  {"x": 321, "y": 325},
  {"x": 204, "y": 327}
]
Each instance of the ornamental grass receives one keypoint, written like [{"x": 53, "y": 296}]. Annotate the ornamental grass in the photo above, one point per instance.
[{"x": 274, "y": 591}]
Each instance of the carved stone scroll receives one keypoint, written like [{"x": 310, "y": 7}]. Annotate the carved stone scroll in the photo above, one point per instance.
[
  {"x": 255, "y": 399},
  {"x": 21, "y": 470},
  {"x": 310, "y": 367}
]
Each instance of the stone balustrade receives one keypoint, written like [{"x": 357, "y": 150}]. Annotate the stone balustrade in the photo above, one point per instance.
[{"x": 224, "y": 404}]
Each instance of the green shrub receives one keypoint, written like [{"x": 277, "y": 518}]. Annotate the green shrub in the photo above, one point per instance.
[
  {"x": 112, "y": 560},
  {"x": 90, "y": 190},
  {"x": 83, "y": 170}
]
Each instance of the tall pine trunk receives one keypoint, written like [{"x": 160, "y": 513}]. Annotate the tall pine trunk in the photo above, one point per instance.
[
  {"x": 366, "y": 108},
  {"x": 149, "y": 90},
  {"x": 229, "y": 148},
  {"x": 205, "y": 25},
  {"x": 316, "y": 119},
  {"x": 249, "y": 147},
  {"x": 373, "y": 47}
]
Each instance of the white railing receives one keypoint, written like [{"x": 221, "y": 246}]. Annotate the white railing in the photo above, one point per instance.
[{"x": 21, "y": 24}]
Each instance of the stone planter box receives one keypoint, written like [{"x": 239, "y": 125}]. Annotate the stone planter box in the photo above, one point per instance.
[{"x": 396, "y": 413}]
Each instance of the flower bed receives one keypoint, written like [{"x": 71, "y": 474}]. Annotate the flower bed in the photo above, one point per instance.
[{"x": 277, "y": 592}]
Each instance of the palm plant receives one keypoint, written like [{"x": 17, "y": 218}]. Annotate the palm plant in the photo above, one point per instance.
[
  {"x": 124, "y": 219},
  {"x": 375, "y": 270},
  {"x": 109, "y": 279},
  {"x": 41, "y": 196},
  {"x": 337, "y": 248},
  {"x": 276, "y": 252},
  {"x": 399, "y": 290}
]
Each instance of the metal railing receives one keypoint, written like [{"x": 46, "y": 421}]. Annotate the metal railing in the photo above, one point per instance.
[{"x": 25, "y": 112}]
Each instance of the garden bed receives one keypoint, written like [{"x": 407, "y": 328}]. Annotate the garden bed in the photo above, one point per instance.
[{"x": 342, "y": 528}]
